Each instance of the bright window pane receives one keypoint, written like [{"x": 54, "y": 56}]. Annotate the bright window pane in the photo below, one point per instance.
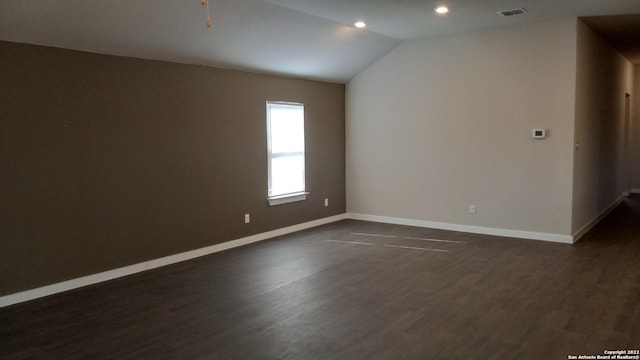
[
  {"x": 287, "y": 174},
  {"x": 287, "y": 129}
]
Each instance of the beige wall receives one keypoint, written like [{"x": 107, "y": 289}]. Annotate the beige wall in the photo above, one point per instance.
[
  {"x": 110, "y": 161},
  {"x": 601, "y": 172},
  {"x": 445, "y": 122}
]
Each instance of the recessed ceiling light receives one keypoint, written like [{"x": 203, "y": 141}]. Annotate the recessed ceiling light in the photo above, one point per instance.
[
  {"x": 360, "y": 24},
  {"x": 442, "y": 10}
]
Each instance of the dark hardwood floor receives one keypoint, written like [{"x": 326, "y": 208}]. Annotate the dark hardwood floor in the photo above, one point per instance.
[{"x": 342, "y": 291}]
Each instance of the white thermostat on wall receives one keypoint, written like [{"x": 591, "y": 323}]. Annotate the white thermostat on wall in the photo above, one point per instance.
[{"x": 539, "y": 133}]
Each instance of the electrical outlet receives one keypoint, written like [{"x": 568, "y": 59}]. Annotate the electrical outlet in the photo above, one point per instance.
[
  {"x": 472, "y": 209},
  {"x": 247, "y": 218},
  {"x": 326, "y": 202}
]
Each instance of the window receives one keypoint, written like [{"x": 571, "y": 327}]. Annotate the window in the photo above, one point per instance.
[{"x": 285, "y": 148}]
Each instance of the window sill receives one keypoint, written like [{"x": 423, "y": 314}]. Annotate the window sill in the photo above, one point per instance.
[{"x": 288, "y": 198}]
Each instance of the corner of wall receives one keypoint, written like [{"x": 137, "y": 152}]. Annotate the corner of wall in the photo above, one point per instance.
[{"x": 603, "y": 77}]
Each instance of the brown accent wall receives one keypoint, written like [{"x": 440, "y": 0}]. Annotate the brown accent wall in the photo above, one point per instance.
[{"x": 109, "y": 161}]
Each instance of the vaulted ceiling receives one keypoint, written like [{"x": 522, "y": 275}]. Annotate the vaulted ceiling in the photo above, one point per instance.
[{"x": 312, "y": 39}]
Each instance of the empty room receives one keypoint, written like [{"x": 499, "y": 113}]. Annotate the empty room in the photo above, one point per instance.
[{"x": 339, "y": 179}]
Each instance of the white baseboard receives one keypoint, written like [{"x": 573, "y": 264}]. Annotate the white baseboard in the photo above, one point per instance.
[
  {"x": 565, "y": 239},
  {"x": 585, "y": 229},
  {"x": 635, "y": 191},
  {"x": 155, "y": 263}
]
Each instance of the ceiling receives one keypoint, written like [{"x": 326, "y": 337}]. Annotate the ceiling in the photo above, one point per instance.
[
  {"x": 622, "y": 31},
  {"x": 302, "y": 38}
]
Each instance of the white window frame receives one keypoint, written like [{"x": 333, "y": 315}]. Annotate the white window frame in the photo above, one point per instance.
[{"x": 277, "y": 199}]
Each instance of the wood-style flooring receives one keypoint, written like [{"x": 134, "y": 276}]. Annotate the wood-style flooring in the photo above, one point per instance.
[{"x": 343, "y": 291}]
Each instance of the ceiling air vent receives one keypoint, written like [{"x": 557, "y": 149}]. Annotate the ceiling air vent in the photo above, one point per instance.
[{"x": 513, "y": 12}]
